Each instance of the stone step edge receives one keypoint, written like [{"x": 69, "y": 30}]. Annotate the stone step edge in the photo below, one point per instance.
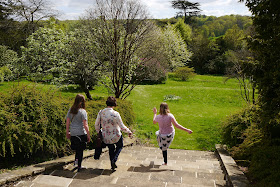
[
  {"x": 36, "y": 169},
  {"x": 234, "y": 176}
]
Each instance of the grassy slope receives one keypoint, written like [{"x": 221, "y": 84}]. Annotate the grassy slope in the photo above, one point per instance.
[{"x": 205, "y": 102}]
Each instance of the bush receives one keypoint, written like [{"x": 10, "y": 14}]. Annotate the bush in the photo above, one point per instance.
[
  {"x": 264, "y": 168},
  {"x": 184, "y": 73},
  {"x": 32, "y": 122},
  {"x": 234, "y": 127}
]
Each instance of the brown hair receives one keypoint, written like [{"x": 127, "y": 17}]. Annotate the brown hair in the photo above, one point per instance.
[
  {"x": 111, "y": 101},
  {"x": 78, "y": 103},
  {"x": 164, "y": 110}
]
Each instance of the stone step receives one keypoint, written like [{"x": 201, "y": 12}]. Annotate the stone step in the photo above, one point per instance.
[{"x": 139, "y": 166}]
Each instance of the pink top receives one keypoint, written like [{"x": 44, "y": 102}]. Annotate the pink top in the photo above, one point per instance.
[{"x": 165, "y": 123}]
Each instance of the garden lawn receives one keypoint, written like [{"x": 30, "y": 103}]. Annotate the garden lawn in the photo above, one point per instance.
[{"x": 205, "y": 102}]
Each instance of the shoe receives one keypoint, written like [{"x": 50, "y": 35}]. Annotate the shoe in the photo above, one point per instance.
[
  {"x": 164, "y": 164},
  {"x": 113, "y": 165},
  {"x": 80, "y": 168},
  {"x": 76, "y": 163}
]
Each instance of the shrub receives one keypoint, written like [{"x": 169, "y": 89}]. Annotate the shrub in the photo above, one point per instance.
[
  {"x": 253, "y": 139},
  {"x": 32, "y": 122},
  {"x": 184, "y": 73},
  {"x": 234, "y": 127}
]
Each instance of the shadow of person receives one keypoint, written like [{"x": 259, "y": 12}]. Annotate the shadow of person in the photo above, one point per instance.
[
  {"x": 84, "y": 174},
  {"x": 150, "y": 168}
]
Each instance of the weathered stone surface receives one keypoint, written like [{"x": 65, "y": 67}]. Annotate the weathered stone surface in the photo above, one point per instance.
[
  {"x": 137, "y": 166},
  {"x": 235, "y": 176}
]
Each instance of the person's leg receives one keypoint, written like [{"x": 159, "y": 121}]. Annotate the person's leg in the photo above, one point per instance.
[
  {"x": 79, "y": 153},
  {"x": 164, "y": 153},
  {"x": 119, "y": 146},
  {"x": 83, "y": 139},
  {"x": 111, "y": 148}
]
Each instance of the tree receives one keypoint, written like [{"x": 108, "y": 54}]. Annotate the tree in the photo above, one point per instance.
[
  {"x": 32, "y": 11},
  {"x": 204, "y": 51},
  {"x": 45, "y": 54},
  {"x": 7, "y": 25},
  {"x": 5, "y": 10},
  {"x": 234, "y": 38},
  {"x": 266, "y": 44},
  {"x": 52, "y": 55},
  {"x": 8, "y": 63},
  {"x": 242, "y": 68},
  {"x": 84, "y": 64},
  {"x": 175, "y": 47},
  {"x": 121, "y": 29},
  {"x": 188, "y": 9},
  {"x": 184, "y": 30}
]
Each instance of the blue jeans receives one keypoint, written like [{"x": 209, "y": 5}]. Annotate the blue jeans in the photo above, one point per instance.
[{"x": 114, "y": 151}]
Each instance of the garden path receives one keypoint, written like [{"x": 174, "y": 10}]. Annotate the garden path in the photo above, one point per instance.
[{"x": 139, "y": 166}]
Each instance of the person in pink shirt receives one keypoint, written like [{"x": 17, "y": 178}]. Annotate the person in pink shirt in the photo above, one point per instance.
[{"x": 166, "y": 132}]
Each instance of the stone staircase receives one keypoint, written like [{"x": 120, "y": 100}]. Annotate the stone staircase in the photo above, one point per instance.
[{"x": 138, "y": 166}]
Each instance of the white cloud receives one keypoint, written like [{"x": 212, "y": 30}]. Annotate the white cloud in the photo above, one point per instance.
[{"x": 158, "y": 8}]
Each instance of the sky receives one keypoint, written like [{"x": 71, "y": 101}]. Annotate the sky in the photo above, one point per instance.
[{"x": 158, "y": 9}]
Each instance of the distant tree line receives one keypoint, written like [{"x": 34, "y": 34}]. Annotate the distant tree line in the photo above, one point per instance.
[
  {"x": 117, "y": 48},
  {"x": 124, "y": 48}
]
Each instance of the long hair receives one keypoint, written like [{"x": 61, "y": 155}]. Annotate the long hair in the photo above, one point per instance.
[
  {"x": 78, "y": 103},
  {"x": 164, "y": 110}
]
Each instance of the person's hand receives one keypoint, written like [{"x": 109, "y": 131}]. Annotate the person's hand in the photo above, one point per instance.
[
  {"x": 155, "y": 110},
  {"x": 68, "y": 136},
  {"x": 189, "y": 131},
  {"x": 88, "y": 138}
]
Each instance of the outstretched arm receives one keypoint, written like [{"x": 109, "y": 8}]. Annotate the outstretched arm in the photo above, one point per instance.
[
  {"x": 123, "y": 127},
  {"x": 176, "y": 124},
  {"x": 155, "y": 115}
]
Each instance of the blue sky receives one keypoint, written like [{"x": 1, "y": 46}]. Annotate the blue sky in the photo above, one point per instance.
[{"x": 158, "y": 9}]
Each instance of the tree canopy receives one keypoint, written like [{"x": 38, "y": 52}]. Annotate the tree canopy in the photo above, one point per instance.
[{"x": 187, "y": 9}]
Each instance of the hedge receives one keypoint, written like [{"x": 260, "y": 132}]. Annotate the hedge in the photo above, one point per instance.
[{"x": 32, "y": 124}]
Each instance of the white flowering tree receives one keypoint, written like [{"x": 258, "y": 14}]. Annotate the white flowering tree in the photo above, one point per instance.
[
  {"x": 62, "y": 58},
  {"x": 176, "y": 49}
]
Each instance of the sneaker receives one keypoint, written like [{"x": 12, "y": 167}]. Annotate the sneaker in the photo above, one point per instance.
[
  {"x": 164, "y": 164},
  {"x": 76, "y": 163}
]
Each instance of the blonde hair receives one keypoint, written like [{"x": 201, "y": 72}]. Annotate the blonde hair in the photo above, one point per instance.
[{"x": 164, "y": 110}]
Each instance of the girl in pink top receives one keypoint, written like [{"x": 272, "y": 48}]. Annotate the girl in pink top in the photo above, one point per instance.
[{"x": 166, "y": 132}]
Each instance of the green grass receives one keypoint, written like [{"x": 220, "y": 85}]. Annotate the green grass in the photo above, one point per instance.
[{"x": 205, "y": 101}]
